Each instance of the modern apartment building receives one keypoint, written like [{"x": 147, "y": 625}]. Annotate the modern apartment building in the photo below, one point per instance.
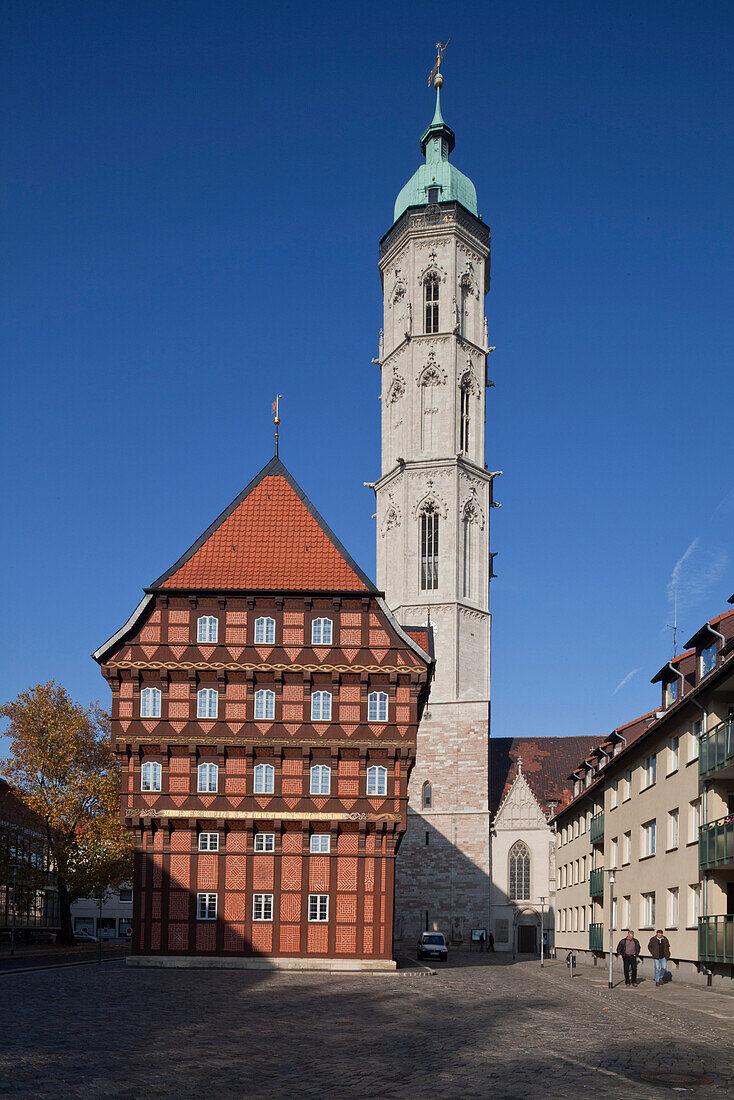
[{"x": 648, "y": 840}]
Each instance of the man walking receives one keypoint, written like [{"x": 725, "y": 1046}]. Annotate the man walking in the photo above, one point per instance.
[
  {"x": 659, "y": 948},
  {"x": 628, "y": 950}
]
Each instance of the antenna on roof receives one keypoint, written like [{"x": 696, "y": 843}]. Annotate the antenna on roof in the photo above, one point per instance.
[
  {"x": 276, "y": 420},
  {"x": 674, "y": 625}
]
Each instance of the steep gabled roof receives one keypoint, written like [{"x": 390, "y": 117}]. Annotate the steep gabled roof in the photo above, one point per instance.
[
  {"x": 546, "y": 764},
  {"x": 270, "y": 537}
]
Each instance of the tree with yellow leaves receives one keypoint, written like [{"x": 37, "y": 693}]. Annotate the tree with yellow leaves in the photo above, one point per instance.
[{"x": 62, "y": 767}]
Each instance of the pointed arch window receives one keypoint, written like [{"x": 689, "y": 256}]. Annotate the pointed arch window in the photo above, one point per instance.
[
  {"x": 427, "y": 795},
  {"x": 464, "y": 416},
  {"x": 430, "y": 297},
  {"x": 519, "y": 872},
  {"x": 429, "y": 547},
  {"x": 468, "y": 550}
]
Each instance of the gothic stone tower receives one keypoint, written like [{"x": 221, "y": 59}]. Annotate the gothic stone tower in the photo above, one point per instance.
[{"x": 433, "y": 504}]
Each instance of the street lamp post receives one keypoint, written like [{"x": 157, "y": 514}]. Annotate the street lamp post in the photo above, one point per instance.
[
  {"x": 542, "y": 943},
  {"x": 612, "y": 871},
  {"x": 12, "y": 926}
]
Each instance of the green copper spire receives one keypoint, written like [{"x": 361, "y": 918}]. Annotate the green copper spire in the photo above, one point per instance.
[{"x": 437, "y": 180}]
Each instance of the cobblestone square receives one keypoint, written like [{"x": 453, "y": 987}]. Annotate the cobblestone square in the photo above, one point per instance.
[{"x": 475, "y": 1029}]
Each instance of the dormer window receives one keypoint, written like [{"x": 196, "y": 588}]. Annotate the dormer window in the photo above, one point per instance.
[
  {"x": 672, "y": 691},
  {"x": 708, "y": 659},
  {"x": 433, "y": 194}
]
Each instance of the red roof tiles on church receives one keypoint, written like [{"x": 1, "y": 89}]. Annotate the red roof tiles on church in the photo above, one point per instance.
[
  {"x": 546, "y": 764},
  {"x": 270, "y": 537}
]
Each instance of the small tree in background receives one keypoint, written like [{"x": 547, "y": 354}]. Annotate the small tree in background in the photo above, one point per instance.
[{"x": 62, "y": 767}]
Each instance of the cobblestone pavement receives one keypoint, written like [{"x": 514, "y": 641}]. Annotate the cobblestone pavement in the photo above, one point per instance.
[{"x": 508, "y": 1032}]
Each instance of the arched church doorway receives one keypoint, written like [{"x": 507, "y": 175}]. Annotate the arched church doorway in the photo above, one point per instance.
[{"x": 527, "y": 939}]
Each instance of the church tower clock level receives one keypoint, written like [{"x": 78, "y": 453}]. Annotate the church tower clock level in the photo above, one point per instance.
[{"x": 434, "y": 498}]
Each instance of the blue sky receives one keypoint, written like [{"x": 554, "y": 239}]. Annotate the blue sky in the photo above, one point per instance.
[{"x": 192, "y": 200}]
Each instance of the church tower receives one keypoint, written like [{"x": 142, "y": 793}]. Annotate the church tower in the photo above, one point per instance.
[{"x": 434, "y": 498}]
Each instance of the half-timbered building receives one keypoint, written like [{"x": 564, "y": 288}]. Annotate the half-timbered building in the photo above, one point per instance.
[{"x": 265, "y": 706}]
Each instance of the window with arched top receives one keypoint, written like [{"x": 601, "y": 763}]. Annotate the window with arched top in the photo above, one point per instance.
[
  {"x": 519, "y": 871},
  {"x": 150, "y": 776},
  {"x": 429, "y": 547},
  {"x": 321, "y": 631},
  {"x": 321, "y": 779},
  {"x": 377, "y": 780},
  {"x": 264, "y": 631},
  {"x": 427, "y": 795},
  {"x": 207, "y": 775},
  {"x": 150, "y": 703},
  {"x": 464, "y": 415},
  {"x": 264, "y": 705},
  {"x": 468, "y": 549},
  {"x": 207, "y": 628},
  {"x": 377, "y": 706},
  {"x": 207, "y": 703},
  {"x": 321, "y": 706},
  {"x": 430, "y": 299},
  {"x": 264, "y": 779}
]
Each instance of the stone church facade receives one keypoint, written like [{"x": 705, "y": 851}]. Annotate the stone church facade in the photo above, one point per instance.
[{"x": 434, "y": 499}]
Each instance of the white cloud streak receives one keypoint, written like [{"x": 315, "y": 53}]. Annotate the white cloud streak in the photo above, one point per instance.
[{"x": 626, "y": 679}]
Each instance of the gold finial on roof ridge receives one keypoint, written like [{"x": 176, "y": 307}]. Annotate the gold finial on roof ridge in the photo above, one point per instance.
[
  {"x": 276, "y": 419},
  {"x": 436, "y": 70}
]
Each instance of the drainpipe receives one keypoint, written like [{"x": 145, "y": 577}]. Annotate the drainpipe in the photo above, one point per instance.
[
  {"x": 717, "y": 633},
  {"x": 704, "y": 878}
]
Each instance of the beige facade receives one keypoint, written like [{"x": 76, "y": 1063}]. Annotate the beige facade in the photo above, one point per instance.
[{"x": 642, "y": 807}]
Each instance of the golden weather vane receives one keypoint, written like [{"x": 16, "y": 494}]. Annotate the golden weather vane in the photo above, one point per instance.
[
  {"x": 440, "y": 51},
  {"x": 276, "y": 420}
]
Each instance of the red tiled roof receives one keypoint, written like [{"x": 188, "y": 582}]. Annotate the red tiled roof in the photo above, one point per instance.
[
  {"x": 270, "y": 537},
  {"x": 546, "y": 764}
]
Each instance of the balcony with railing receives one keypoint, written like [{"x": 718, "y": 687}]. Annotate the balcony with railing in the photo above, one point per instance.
[
  {"x": 716, "y": 939},
  {"x": 596, "y": 829},
  {"x": 596, "y": 882},
  {"x": 716, "y": 751},
  {"x": 716, "y": 844},
  {"x": 596, "y": 937}
]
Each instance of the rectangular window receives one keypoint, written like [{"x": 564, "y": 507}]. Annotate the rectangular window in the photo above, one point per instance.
[
  {"x": 696, "y": 732},
  {"x": 126, "y": 895},
  {"x": 673, "y": 755},
  {"x": 320, "y": 842},
  {"x": 583, "y": 869},
  {"x": 647, "y": 911},
  {"x": 694, "y": 820},
  {"x": 673, "y": 907},
  {"x": 694, "y": 903},
  {"x": 615, "y": 852},
  {"x": 671, "y": 691},
  {"x": 583, "y": 919},
  {"x": 673, "y": 828},
  {"x": 264, "y": 842},
  {"x": 627, "y": 910},
  {"x": 208, "y": 842},
  {"x": 262, "y": 907},
  {"x": 648, "y": 838},
  {"x": 627, "y": 848},
  {"x": 627, "y": 786},
  {"x": 318, "y": 908},
  {"x": 649, "y": 771},
  {"x": 614, "y": 795},
  {"x": 615, "y": 914},
  {"x": 206, "y": 906},
  {"x": 708, "y": 659}
]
